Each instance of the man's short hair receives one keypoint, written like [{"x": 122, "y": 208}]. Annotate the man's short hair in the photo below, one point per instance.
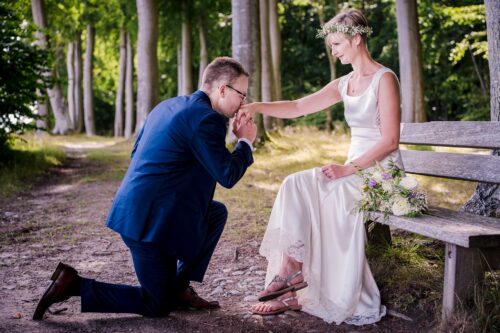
[{"x": 224, "y": 69}]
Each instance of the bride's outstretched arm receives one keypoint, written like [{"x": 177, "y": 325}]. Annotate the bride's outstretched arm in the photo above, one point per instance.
[
  {"x": 390, "y": 118},
  {"x": 315, "y": 102}
]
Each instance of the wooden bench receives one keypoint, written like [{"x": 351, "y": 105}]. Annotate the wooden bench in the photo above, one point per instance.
[{"x": 472, "y": 242}]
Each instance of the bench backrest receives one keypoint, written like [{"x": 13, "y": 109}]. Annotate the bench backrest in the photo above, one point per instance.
[{"x": 467, "y": 134}]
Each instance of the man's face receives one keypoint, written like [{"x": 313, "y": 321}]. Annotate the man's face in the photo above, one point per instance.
[{"x": 232, "y": 96}]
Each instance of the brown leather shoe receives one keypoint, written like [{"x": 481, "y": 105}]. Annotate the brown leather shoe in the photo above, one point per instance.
[
  {"x": 189, "y": 299},
  {"x": 58, "y": 290}
]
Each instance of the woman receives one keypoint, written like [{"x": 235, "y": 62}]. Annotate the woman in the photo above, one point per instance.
[{"x": 315, "y": 233}]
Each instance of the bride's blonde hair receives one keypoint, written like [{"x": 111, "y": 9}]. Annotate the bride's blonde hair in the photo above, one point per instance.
[{"x": 349, "y": 22}]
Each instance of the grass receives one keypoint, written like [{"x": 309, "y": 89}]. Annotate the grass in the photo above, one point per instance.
[{"x": 29, "y": 158}]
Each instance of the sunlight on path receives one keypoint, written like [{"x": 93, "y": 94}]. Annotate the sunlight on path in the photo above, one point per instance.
[{"x": 88, "y": 145}]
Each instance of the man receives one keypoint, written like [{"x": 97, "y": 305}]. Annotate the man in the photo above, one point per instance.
[{"x": 164, "y": 209}]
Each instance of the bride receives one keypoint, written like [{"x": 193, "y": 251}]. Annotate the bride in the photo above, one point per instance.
[{"x": 315, "y": 239}]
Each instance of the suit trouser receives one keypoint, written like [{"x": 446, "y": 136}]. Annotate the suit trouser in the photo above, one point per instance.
[{"x": 160, "y": 276}]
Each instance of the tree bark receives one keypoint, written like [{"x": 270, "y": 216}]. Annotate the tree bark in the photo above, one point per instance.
[
  {"x": 120, "y": 91},
  {"x": 147, "y": 60},
  {"x": 70, "y": 57},
  {"x": 331, "y": 61},
  {"x": 55, "y": 94},
  {"x": 246, "y": 49},
  {"x": 88, "y": 96},
  {"x": 486, "y": 199},
  {"x": 129, "y": 90},
  {"x": 179, "y": 69},
  {"x": 275, "y": 41},
  {"x": 187, "y": 71},
  {"x": 203, "y": 49},
  {"x": 410, "y": 62},
  {"x": 78, "y": 93},
  {"x": 267, "y": 78}
]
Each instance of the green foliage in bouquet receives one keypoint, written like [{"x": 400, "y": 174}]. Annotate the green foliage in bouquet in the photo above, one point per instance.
[{"x": 390, "y": 191}]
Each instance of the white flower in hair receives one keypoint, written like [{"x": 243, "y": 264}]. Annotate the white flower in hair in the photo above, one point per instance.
[{"x": 344, "y": 28}]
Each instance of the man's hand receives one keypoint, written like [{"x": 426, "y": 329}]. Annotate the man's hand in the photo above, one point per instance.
[{"x": 244, "y": 127}]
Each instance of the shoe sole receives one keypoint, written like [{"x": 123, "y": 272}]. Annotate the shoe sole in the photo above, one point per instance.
[
  {"x": 280, "y": 292},
  {"x": 43, "y": 306},
  {"x": 279, "y": 311}
]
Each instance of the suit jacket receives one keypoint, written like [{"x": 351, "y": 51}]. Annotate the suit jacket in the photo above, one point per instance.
[{"x": 176, "y": 161}]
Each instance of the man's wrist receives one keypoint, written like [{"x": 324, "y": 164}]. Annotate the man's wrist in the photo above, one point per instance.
[{"x": 248, "y": 142}]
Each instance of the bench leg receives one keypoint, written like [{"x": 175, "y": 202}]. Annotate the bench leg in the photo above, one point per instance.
[{"x": 463, "y": 269}]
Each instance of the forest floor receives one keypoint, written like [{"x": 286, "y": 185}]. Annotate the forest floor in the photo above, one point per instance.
[{"x": 61, "y": 218}]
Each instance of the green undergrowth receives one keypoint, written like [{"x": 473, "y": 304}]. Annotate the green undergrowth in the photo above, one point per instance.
[{"x": 26, "y": 160}]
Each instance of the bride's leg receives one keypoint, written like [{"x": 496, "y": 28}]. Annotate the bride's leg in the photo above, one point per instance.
[{"x": 289, "y": 267}]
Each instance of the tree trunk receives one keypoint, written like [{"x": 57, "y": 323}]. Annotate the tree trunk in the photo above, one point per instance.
[
  {"x": 120, "y": 91},
  {"x": 410, "y": 62},
  {"x": 203, "y": 49},
  {"x": 147, "y": 60},
  {"x": 78, "y": 93},
  {"x": 70, "y": 57},
  {"x": 267, "y": 78},
  {"x": 179, "y": 70},
  {"x": 55, "y": 94},
  {"x": 331, "y": 61},
  {"x": 88, "y": 96},
  {"x": 129, "y": 90},
  {"x": 275, "y": 41},
  {"x": 187, "y": 71},
  {"x": 486, "y": 199},
  {"x": 246, "y": 49}
]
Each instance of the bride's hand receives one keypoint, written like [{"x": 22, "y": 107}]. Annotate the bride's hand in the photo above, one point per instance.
[
  {"x": 248, "y": 109},
  {"x": 335, "y": 171}
]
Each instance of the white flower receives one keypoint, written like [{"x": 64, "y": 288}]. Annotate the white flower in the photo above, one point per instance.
[
  {"x": 409, "y": 183},
  {"x": 377, "y": 175},
  {"x": 401, "y": 206},
  {"x": 387, "y": 186},
  {"x": 385, "y": 206}
]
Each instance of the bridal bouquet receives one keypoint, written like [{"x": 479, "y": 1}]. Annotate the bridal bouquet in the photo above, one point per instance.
[{"x": 390, "y": 191}]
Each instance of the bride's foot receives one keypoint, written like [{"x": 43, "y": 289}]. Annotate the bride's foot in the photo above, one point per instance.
[
  {"x": 286, "y": 302},
  {"x": 283, "y": 284}
]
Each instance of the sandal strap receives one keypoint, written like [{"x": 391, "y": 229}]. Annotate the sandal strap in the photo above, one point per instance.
[
  {"x": 286, "y": 300},
  {"x": 278, "y": 278},
  {"x": 293, "y": 276}
]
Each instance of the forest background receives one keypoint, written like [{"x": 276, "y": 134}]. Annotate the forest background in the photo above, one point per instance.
[{"x": 92, "y": 57}]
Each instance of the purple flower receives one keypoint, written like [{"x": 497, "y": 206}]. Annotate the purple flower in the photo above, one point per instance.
[
  {"x": 386, "y": 176},
  {"x": 412, "y": 194},
  {"x": 372, "y": 183}
]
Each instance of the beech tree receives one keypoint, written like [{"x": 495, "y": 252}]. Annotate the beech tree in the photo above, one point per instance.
[
  {"x": 410, "y": 62},
  {"x": 147, "y": 60}
]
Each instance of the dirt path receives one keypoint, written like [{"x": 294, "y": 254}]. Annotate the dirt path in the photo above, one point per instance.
[{"x": 61, "y": 219}]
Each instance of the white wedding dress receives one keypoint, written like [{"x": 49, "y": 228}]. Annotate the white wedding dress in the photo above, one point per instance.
[{"x": 315, "y": 221}]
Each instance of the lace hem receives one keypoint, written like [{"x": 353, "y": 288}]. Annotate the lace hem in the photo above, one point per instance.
[
  {"x": 366, "y": 319},
  {"x": 331, "y": 313},
  {"x": 280, "y": 241}
]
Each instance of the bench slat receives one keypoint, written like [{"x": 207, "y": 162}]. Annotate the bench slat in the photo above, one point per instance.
[
  {"x": 482, "y": 168},
  {"x": 463, "y": 229},
  {"x": 471, "y": 134}
]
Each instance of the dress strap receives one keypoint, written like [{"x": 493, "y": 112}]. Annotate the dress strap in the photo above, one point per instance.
[
  {"x": 378, "y": 76},
  {"x": 343, "y": 84}
]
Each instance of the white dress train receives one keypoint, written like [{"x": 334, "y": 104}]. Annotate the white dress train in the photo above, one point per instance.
[{"x": 315, "y": 221}]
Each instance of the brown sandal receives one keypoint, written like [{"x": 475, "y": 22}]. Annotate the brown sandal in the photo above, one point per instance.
[
  {"x": 286, "y": 307},
  {"x": 288, "y": 287}
]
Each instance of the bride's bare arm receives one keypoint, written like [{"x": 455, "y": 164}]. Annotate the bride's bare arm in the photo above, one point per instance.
[
  {"x": 315, "y": 102},
  {"x": 390, "y": 118}
]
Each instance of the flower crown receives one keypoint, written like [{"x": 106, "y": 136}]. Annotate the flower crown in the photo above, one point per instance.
[{"x": 344, "y": 29}]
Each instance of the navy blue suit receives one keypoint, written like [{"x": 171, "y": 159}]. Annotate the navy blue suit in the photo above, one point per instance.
[{"x": 164, "y": 208}]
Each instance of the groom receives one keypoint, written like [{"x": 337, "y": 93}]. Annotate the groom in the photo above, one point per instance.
[{"x": 164, "y": 209}]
